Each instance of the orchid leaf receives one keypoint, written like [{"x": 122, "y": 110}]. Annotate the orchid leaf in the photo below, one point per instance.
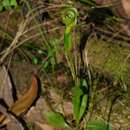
[
  {"x": 76, "y": 101},
  {"x": 56, "y": 119},
  {"x": 83, "y": 106}
]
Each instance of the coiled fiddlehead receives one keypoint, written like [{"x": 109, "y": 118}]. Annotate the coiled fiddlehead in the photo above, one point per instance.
[{"x": 69, "y": 18}]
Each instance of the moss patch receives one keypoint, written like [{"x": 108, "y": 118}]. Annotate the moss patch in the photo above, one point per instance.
[{"x": 111, "y": 58}]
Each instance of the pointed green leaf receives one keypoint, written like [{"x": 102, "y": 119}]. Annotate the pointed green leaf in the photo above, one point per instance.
[
  {"x": 56, "y": 119},
  {"x": 99, "y": 125},
  {"x": 76, "y": 101},
  {"x": 83, "y": 106}
]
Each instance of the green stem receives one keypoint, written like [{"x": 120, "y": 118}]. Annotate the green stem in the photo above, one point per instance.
[{"x": 71, "y": 66}]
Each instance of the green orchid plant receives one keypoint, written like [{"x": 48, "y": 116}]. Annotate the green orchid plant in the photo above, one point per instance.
[
  {"x": 80, "y": 92},
  {"x": 80, "y": 103}
]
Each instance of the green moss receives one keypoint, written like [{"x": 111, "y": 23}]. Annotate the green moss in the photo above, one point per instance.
[{"x": 110, "y": 58}]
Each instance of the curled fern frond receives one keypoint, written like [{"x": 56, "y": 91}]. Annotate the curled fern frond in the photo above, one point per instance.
[{"x": 69, "y": 17}]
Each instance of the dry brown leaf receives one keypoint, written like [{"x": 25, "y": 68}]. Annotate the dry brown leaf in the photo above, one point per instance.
[
  {"x": 44, "y": 126},
  {"x": 20, "y": 106},
  {"x": 126, "y": 5},
  {"x": 14, "y": 124},
  {"x": 3, "y": 115},
  {"x": 6, "y": 87},
  {"x": 9, "y": 120},
  {"x": 24, "y": 102}
]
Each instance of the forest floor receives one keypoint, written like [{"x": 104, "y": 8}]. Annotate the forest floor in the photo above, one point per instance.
[{"x": 41, "y": 53}]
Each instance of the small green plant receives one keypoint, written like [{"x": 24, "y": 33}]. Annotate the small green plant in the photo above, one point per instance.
[
  {"x": 80, "y": 102},
  {"x": 8, "y": 4},
  {"x": 46, "y": 57}
]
